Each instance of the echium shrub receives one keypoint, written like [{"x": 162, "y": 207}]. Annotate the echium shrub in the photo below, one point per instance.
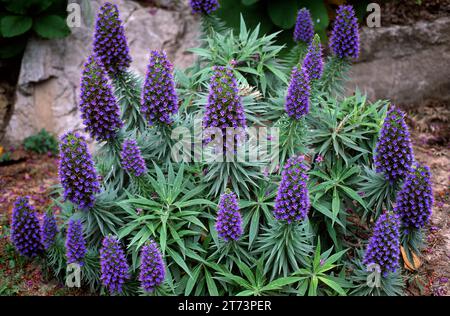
[
  {"x": 25, "y": 229},
  {"x": 49, "y": 229},
  {"x": 77, "y": 172},
  {"x": 110, "y": 44},
  {"x": 224, "y": 109},
  {"x": 304, "y": 28},
  {"x": 75, "y": 242},
  {"x": 114, "y": 266},
  {"x": 313, "y": 63},
  {"x": 229, "y": 221},
  {"x": 393, "y": 152},
  {"x": 159, "y": 98},
  {"x": 298, "y": 94},
  {"x": 131, "y": 158},
  {"x": 152, "y": 267},
  {"x": 292, "y": 200},
  {"x": 344, "y": 39},
  {"x": 99, "y": 109},
  {"x": 384, "y": 245},
  {"x": 415, "y": 200},
  {"x": 204, "y": 6}
]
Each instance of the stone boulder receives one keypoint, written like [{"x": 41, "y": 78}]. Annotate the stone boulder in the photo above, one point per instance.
[
  {"x": 406, "y": 64},
  {"x": 48, "y": 90}
]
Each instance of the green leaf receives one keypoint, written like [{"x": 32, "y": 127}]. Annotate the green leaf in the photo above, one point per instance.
[
  {"x": 177, "y": 258},
  {"x": 249, "y": 2},
  {"x": 333, "y": 285},
  {"x": 283, "y": 13},
  {"x": 51, "y": 26},
  {"x": 13, "y": 25},
  {"x": 28, "y": 6},
  {"x": 212, "y": 288},
  {"x": 278, "y": 283}
]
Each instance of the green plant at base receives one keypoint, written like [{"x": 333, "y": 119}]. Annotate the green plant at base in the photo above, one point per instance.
[{"x": 41, "y": 143}]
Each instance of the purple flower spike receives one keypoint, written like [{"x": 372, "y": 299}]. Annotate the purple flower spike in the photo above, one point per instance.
[
  {"x": 131, "y": 158},
  {"x": 415, "y": 199},
  {"x": 393, "y": 152},
  {"x": 229, "y": 221},
  {"x": 298, "y": 93},
  {"x": 224, "y": 109},
  {"x": 313, "y": 63},
  {"x": 384, "y": 245},
  {"x": 76, "y": 171},
  {"x": 75, "y": 243},
  {"x": 344, "y": 40},
  {"x": 25, "y": 229},
  {"x": 114, "y": 266},
  {"x": 159, "y": 98},
  {"x": 152, "y": 267},
  {"x": 292, "y": 200},
  {"x": 304, "y": 27},
  {"x": 49, "y": 230},
  {"x": 99, "y": 109},
  {"x": 110, "y": 44},
  {"x": 204, "y": 6}
]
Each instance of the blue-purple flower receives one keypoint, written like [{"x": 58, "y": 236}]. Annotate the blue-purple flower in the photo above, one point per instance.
[
  {"x": 76, "y": 171},
  {"x": 224, "y": 110},
  {"x": 159, "y": 98},
  {"x": 99, "y": 109},
  {"x": 415, "y": 200},
  {"x": 304, "y": 27},
  {"x": 292, "y": 200},
  {"x": 152, "y": 267},
  {"x": 313, "y": 63},
  {"x": 384, "y": 245},
  {"x": 229, "y": 221},
  {"x": 75, "y": 242},
  {"x": 298, "y": 93},
  {"x": 131, "y": 158},
  {"x": 393, "y": 152},
  {"x": 344, "y": 39},
  {"x": 113, "y": 263},
  {"x": 110, "y": 44},
  {"x": 204, "y": 6},
  {"x": 25, "y": 229},
  {"x": 49, "y": 229}
]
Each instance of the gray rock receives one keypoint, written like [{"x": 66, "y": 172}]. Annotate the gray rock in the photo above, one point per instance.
[
  {"x": 48, "y": 90},
  {"x": 406, "y": 64}
]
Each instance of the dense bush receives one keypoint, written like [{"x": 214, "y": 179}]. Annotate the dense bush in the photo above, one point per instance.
[
  {"x": 41, "y": 143},
  {"x": 295, "y": 221},
  {"x": 21, "y": 18}
]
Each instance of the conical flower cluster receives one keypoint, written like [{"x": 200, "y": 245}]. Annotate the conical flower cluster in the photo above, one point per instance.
[
  {"x": 344, "y": 40},
  {"x": 99, "y": 109},
  {"x": 393, "y": 152},
  {"x": 204, "y": 6},
  {"x": 304, "y": 27},
  {"x": 415, "y": 199},
  {"x": 75, "y": 242},
  {"x": 313, "y": 63},
  {"x": 76, "y": 171},
  {"x": 110, "y": 44},
  {"x": 384, "y": 245},
  {"x": 292, "y": 200},
  {"x": 131, "y": 158},
  {"x": 49, "y": 230},
  {"x": 159, "y": 98},
  {"x": 298, "y": 93},
  {"x": 229, "y": 221},
  {"x": 224, "y": 109},
  {"x": 152, "y": 267},
  {"x": 25, "y": 229},
  {"x": 114, "y": 266}
]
